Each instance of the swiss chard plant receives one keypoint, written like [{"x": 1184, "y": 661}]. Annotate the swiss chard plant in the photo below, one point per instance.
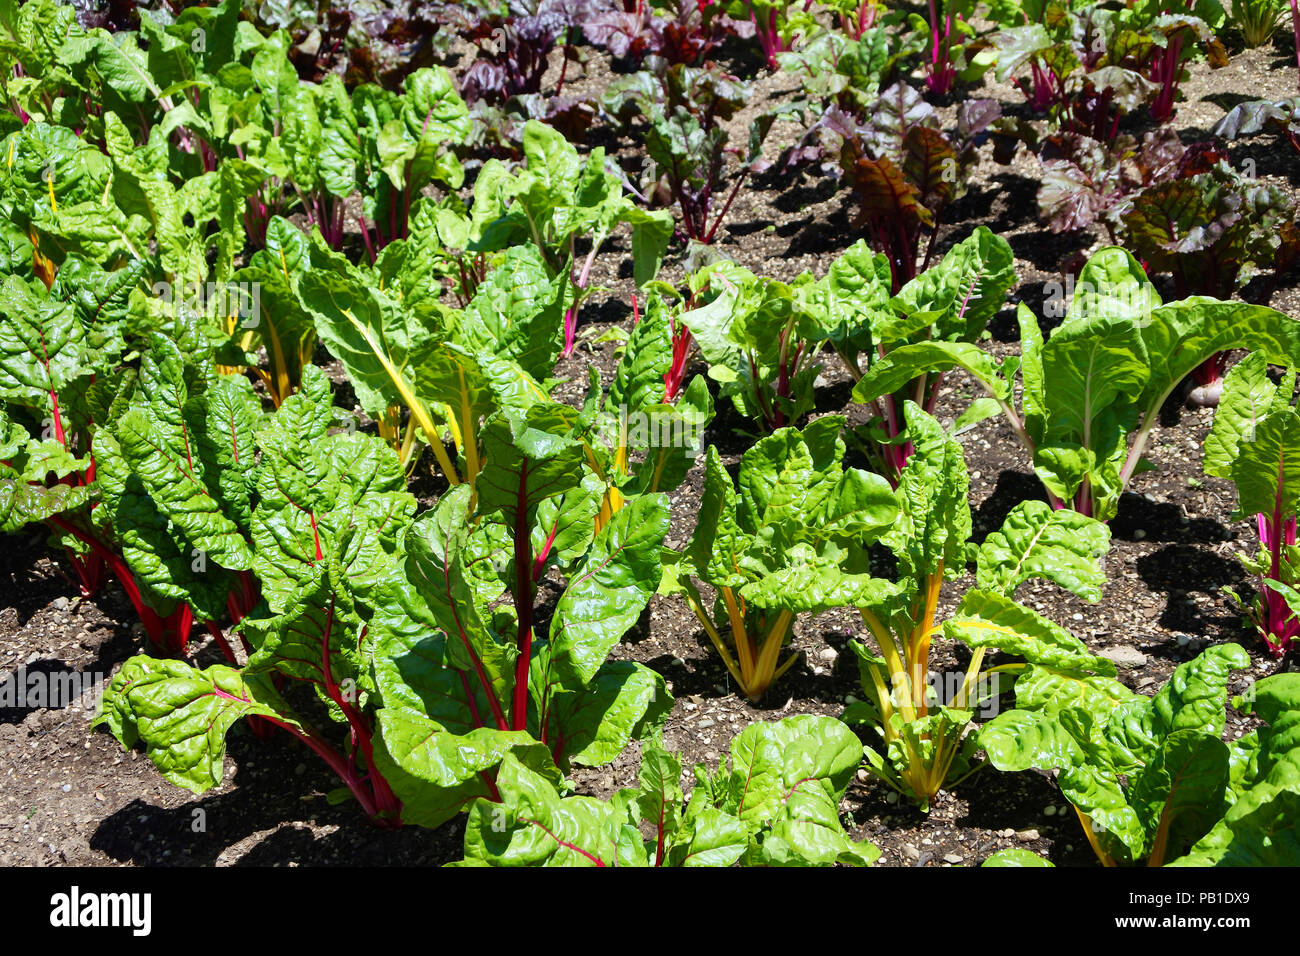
[
  {"x": 857, "y": 18},
  {"x": 559, "y": 200},
  {"x": 492, "y": 636},
  {"x": 677, "y": 31},
  {"x": 421, "y": 369},
  {"x": 174, "y": 494},
  {"x": 924, "y": 730},
  {"x": 1088, "y": 181},
  {"x": 777, "y": 804},
  {"x": 61, "y": 384},
  {"x": 262, "y": 115},
  {"x": 1255, "y": 116},
  {"x": 325, "y": 511},
  {"x": 1255, "y": 227},
  {"x": 952, "y": 301},
  {"x": 835, "y": 69},
  {"x": 1089, "y": 64},
  {"x": 947, "y": 34},
  {"x": 1254, "y": 443},
  {"x": 513, "y": 40},
  {"x": 1148, "y": 776},
  {"x": 1257, "y": 20},
  {"x": 1155, "y": 197},
  {"x": 1092, "y": 392},
  {"x": 903, "y": 168},
  {"x": 649, "y": 429},
  {"x": 778, "y": 24},
  {"x": 297, "y": 144},
  {"x": 1259, "y": 829},
  {"x": 687, "y": 143},
  {"x": 774, "y": 544},
  {"x": 756, "y": 341},
  {"x": 406, "y": 141}
]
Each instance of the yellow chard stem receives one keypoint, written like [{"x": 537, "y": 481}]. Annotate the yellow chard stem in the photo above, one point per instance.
[
  {"x": 771, "y": 650},
  {"x": 744, "y": 652},
  {"x": 919, "y": 651},
  {"x": 893, "y": 660},
  {"x": 885, "y": 702},
  {"x": 408, "y": 445},
  {"x": 1102, "y": 855},
  {"x": 716, "y": 638},
  {"x": 467, "y": 441},
  {"x": 962, "y": 701}
]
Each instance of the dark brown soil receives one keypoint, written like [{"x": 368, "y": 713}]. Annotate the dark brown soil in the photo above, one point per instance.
[{"x": 69, "y": 796}]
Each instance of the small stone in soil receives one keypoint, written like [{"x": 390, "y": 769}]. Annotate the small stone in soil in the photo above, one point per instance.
[
  {"x": 953, "y": 858},
  {"x": 1027, "y": 836},
  {"x": 1049, "y": 811},
  {"x": 1124, "y": 656}
]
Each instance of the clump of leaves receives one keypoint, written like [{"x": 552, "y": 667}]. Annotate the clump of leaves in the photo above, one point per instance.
[
  {"x": 406, "y": 141},
  {"x": 1088, "y": 181},
  {"x": 903, "y": 169},
  {"x": 925, "y": 732},
  {"x": 1212, "y": 232},
  {"x": 857, "y": 18},
  {"x": 688, "y": 147},
  {"x": 677, "y": 31},
  {"x": 1148, "y": 776},
  {"x": 1257, "y": 20},
  {"x": 1253, "y": 117},
  {"x": 468, "y": 669},
  {"x": 776, "y": 805},
  {"x": 948, "y": 42},
  {"x": 756, "y": 339},
  {"x": 323, "y": 514},
  {"x": 773, "y": 545},
  {"x": 835, "y": 69},
  {"x": 1259, "y": 828},
  {"x": 513, "y": 40},
  {"x": 1101, "y": 378},
  {"x": 558, "y": 200},
  {"x": 1091, "y": 65},
  {"x": 778, "y": 24},
  {"x": 1254, "y": 441}
]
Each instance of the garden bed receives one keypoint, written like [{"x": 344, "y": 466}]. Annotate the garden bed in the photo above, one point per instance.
[{"x": 69, "y": 795}]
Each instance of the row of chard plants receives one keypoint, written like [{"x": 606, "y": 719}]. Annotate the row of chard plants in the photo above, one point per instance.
[{"x": 179, "y": 246}]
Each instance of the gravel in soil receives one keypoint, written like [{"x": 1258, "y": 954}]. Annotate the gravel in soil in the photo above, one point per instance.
[{"x": 70, "y": 796}]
